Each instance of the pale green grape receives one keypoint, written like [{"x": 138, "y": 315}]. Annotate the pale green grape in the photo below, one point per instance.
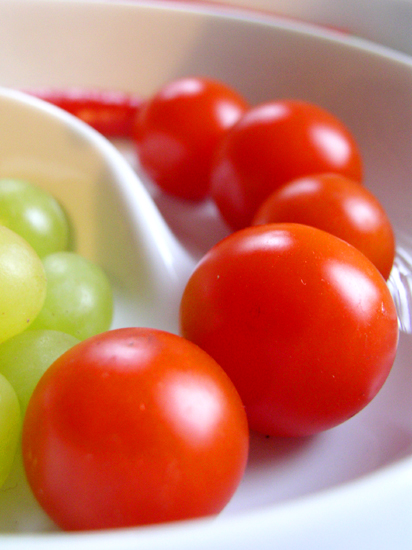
[
  {"x": 79, "y": 299},
  {"x": 35, "y": 215},
  {"x": 25, "y": 357},
  {"x": 22, "y": 284},
  {"x": 10, "y": 426}
]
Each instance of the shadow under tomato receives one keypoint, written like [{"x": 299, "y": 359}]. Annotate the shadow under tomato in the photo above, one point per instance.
[
  {"x": 197, "y": 225},
  {"x": 269, "y": 449}
]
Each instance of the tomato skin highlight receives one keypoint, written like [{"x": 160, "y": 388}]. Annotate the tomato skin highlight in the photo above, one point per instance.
[
  {"x": 134, "y": 426},
  {"x": 177, "y": 132},
  {"x": 338, "y": 205},
  {"x": 271, "y": 144},
  {"x": 302, "y": 322}
]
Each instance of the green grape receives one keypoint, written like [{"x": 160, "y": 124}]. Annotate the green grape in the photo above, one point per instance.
[
  {"x": 10, "y": 426},
  {"x": 35, "y": 215},
  {"x": 79, "y": 299},
  {"x": 22, "y": 284},
  {"x": 25, "y": 357}
]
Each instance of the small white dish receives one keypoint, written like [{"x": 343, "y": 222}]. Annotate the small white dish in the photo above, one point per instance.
[
  {"x": 114, "y": 220},
  {"x": 115, "y": 224},
  {"x": 347, "y": 487}
]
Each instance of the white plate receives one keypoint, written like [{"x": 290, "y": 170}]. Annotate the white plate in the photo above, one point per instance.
[{"x": 350, "y": 486}]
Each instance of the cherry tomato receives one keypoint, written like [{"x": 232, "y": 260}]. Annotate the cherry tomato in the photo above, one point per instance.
[
  {"x": 302, "y": 322},
  {"x": 272, "y": 144},
  {"x": 110, "y": 113},
  {"x": 177, "y": 132},
  {"x": 338, "y": 205},
  {"x": 134, "y": 426}
]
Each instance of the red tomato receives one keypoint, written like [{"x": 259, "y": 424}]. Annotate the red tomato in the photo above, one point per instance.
[
  {"x": 302, "y": 322},
  {"x": 178, "y": 130},
  {"x": 134, "y": 426},
  {"x": 340, "y": 206},
  {"x": 110, "y": 113},
  {"x": 272, "y": 144}
]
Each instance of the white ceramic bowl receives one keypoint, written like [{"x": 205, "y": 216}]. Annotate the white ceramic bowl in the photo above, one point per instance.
[
  {"x": 387, "y": 22},
  {"x": 349, "y": 487}
]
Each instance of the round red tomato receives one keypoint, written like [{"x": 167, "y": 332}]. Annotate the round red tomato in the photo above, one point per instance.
[
  {"x": 272, "y": 144},
  {"x": 134, "y": 426},
  {"x": 177, "y": 131},
  {"x": 302, "y": 322},
  {"x": 338, "y": 205}
]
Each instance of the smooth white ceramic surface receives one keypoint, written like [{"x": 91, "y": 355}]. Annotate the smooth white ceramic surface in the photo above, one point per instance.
[
  {"x": 386, "y": 22},
  {"x": 350, "y": 486}
]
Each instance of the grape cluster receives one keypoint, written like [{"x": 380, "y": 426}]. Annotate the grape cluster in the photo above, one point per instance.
[{"x": 50, "y": 299}]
